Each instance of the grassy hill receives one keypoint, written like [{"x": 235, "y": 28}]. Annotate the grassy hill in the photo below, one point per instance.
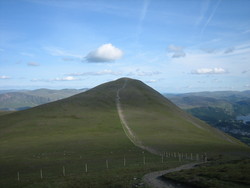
[{"x": 86, "y": 129}]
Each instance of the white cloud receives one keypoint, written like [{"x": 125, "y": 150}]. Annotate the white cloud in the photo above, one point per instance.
[
  {"x": 209, "y": 71},
  {"x": 70, "y": 59},
  {"x": 247, "y": 86},
  {"x": 98, "y": 73},
  {"x": 177, "y": 51},
  {"x": 151, "y": 81},
  {"x": 139, "y": 72},
  {"x": 4, "y": 77},
  {"x": 34, "y": 64},
  {"x": 67, "y": 78},
  {"x": 105, "y": 53}
]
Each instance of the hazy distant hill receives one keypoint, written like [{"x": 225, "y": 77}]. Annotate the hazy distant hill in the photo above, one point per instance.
[
  {"x": 222, "y": 109},
  {"x": 227, "y": 95},
  {"x": 24, "y": 99}
]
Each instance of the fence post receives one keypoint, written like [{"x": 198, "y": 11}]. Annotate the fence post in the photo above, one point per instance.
[
  {"x": 41, "y": 173},
  {"x": 205, "y": 157},
  {"x": 18, "y": 176},
  {"x": 144, "y": 160},
  {"x": 124, "y": 161},
  {"x": 63, "y": 169},
  {"x": 162, "y": 159},
  {"x": 191, "y": 156},
  {"x": 107, "y": 164},
  {"x": 86, "y": 168}
]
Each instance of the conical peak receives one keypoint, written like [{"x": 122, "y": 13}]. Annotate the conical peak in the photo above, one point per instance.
[
  {"x": 130, "y": 80},
  {"x": 124, "y": 79}
]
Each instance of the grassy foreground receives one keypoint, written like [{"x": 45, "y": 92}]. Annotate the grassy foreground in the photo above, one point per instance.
[{"x": 216, "y": 174}]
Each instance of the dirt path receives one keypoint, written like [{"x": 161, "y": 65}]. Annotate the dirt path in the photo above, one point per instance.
[
  {"x": 129, "y": 133},
  {"x": 154, "y": 179}
]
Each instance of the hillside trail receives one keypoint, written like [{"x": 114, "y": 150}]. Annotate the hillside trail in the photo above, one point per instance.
[
  {"x": 155, "y": 180},
  {"x": 128, "y": 131}
]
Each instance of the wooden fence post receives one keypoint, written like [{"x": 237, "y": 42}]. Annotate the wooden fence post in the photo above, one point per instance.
[
  {"x": 41, "y": 173},
  {"x": 124, "y": 161},
  {"x": 86, "y": 168},
  {"x": 18, "y": 176},
  {"x": 63, "y": 169},
  {"x": 107, "y": 164}
]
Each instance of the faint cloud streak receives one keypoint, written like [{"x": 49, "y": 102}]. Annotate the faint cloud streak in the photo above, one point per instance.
[
  {"x": 33, "y": 64},
  {"x": 3, "y": 77},
  {"x": 209, "y": 71}
]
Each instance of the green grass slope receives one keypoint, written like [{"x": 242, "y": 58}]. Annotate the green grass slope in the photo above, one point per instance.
[
  {"x": 86, "y": 128},
  {"x": 81, "y": 129},
  {"x": 160, "y": 124}
]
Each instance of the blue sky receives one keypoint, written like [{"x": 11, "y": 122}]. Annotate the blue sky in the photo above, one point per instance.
[{"x": 174, "y": 46}]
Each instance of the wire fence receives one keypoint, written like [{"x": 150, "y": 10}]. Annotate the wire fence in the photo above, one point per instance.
[{"x": 81, "y": 166}]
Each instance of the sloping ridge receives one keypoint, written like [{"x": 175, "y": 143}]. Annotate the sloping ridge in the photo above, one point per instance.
[{"x": 154, "y": 123}]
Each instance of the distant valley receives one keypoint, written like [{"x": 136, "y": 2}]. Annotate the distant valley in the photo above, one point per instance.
[{"x": 227, "y": 110}]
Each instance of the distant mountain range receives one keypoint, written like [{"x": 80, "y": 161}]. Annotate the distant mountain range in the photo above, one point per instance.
[
  {"x": 24, "y": 99},
  {"x": 227, "y": 110}
]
